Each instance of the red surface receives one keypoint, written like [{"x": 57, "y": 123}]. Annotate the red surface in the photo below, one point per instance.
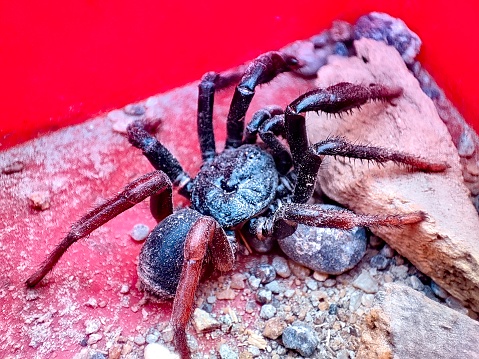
[{"x": 62, "y": 62}]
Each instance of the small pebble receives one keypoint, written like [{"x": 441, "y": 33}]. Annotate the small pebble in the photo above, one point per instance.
[
  {"x": 203, "y": 321},
  {"x": 226, "y": 294},
  {"x": 366, "y": 283},
  {"x": 438, "y": 291},
  {"x": 320, "y": 277},
  {"x": 281, "y": 267},
  {"x": 367, "y": 300},
  {"x": 124, "y": 289},
  {"x": 267, "y": 311},
  {"x": 14, "y": 167},
  {"x": 92, "y": 326},
  {"x": 387, "y": 251},
  {"x": 94, "y": 338},
  {"x": 237, "y": 281},
  {"x": 139, "y": 340},
  {"x": 379, "y": 261},
  {"x": 151, "y": 338},
  {"x": 355, "y": 301},
  {"x": 311, "y": 284},
  {"x": 416, "y": 283},
  {"x": 265, "y": 272},
  {"x": 40, "y": 200},
  {"x": 158, "y": 351},
  {"x": 254, "y": 282},
  {"x": 330, "y": 282},
  {"x": 139, "y": 232},
  {"x": 134, "y": 109},
  {"x": 300, "y": 337},
  {"x": 299, "y": 270},
  {"x": 333, "y": 309},
  {"x": 274, "y": 287},
  {"x": 273, "y": 328},
  {"x": 264, "y": 296},
  {"x": 226, "y": 352}
]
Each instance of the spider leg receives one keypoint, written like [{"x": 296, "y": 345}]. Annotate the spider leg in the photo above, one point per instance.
[
  {"x": 262, "y": 70},
  {"x": 269, "y": 124},
  {"x": 336, "y": 99},
  {"x": 151, "y": 184},
  {"x": 259, "y": 117},
  {"x": 205, "y": 233},
  {"x": 159, "y": 156},
  {"x": 312, "y": 158},
  {"x": 210, "y": 82},
  {"x": 284, "y": 221}
]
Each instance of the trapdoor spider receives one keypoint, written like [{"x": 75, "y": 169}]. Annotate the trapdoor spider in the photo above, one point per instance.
[{"x": 256, "y": 190}]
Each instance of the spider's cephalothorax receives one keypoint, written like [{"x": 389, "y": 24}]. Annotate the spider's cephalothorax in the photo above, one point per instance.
[{"x": 259, "y": 190}]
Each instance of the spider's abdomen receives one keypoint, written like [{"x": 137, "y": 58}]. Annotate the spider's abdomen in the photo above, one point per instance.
[
  {"x": 161, "y": 257},
  {"x": 237, "y": 185}
]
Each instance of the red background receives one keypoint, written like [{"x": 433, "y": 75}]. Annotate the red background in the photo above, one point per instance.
[{"x": 62, "y": 62}]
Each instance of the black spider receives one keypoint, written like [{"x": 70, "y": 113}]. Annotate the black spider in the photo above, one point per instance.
[{"x": 255, "y": 190}]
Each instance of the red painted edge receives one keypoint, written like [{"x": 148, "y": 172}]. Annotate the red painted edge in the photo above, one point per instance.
[{"x": 62, "y": 62}]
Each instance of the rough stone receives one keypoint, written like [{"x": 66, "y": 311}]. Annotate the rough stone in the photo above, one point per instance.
[
  {"x": 301, "y": 338},
  {"x": 274, "y": 327},
  {"x": 326, "y": 250},
  {"x": 444, "y": 246},
  {"x": 406, "y": 324},
  {"x": 203, "y": 321}
]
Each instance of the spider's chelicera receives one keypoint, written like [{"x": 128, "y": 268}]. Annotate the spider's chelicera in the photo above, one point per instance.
[{"x": 254, "y": 190}]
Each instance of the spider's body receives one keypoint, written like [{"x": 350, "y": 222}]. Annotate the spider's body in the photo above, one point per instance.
[
  {"x": 236, "y": 185},
  {"x": 259, "y": 190}
]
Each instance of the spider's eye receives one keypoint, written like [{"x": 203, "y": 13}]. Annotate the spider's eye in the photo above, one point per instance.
[{"x": 228, "y": 187}]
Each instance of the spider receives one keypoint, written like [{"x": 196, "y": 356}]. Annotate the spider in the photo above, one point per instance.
[{"x": 254, "y": 190}]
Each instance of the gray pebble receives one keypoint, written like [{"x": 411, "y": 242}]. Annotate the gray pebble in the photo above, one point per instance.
[
  {"x": 139, "y": 340},
  {"x": 274, "y": 287},
  {"x": 311, "y": 284},
  {"x": 281, "y": 267},
  {"x": 264, "y": 296},
  {"x": 326, "y": 250},
  {"x": 355, "y": 301},
  {"x": 254, "y": 282},
  {"x": 139, "y": 232},
  {"x": 92, "y": 326},
  {"x": 416, "y": 283},
  {"x": 300, "y": 337},
  {"x": 379, "y": 261},
  {"x": 438, "y": 291},
  {"x": 151, "y": 338},
  {"x": 227, "y": 353},
  {"x": 250, "y": 306},
  {"x": 387, "y": 251},
  {"x": 366, "y": 283},
  {"x": 267, "y": 311},
  {"x": 265, "y": 272}
]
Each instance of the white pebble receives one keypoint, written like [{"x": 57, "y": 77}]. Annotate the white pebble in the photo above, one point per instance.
[
  {"x": 140, "y": 232},
  {"x": 158, "y": 351}
]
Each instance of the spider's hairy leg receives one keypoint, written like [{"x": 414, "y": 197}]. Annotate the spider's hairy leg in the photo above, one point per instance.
[
  {"x": 158, "y": 155},
  {"x": 289, "y": 215},
  {"x": 262, "y": 70},
  {"x": 205, "y": 233},
  {"x": 338, "y": 146},
  {"x": 269, "y": 124},
  {"x": 154, "y": 183},
  {"x": 209, "y": 84},
  {"x": 336, "y": 99}
]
